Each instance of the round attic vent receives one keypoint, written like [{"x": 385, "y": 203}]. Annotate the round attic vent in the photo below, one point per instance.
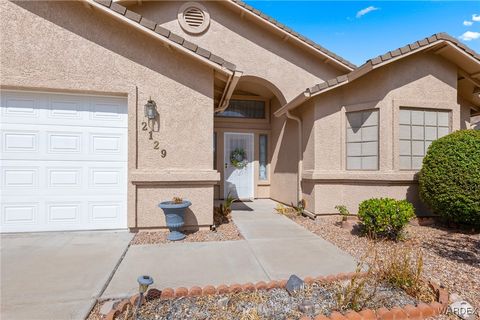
[{"x": 193, "y": 18}]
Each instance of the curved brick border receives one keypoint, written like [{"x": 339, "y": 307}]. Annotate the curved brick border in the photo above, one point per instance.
[{"x": 422, "y": 311}]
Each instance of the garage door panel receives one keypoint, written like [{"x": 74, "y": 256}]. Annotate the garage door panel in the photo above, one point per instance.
[
  {"x": 16, "y": 141},
  {"x": 48, "y": 142},
  {"x": 19, "y": 106},
  {"x": 54, "y": 109},
  {"x": 107, "y": 177},
  {"x": 64, "y": 142},
  {"x": 19, "y": 213},
  {"x": 62, "y": 213},
  {"x": 62, "y": 178},
  {"x": 19, "y": 177},
  {"x": 63, "y": 162}
]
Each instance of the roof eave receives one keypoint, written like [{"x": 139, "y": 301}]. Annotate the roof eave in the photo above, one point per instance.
[
  {"x": 295, "y": 102},
  {"x": 345, "y": 65},
  {"x": 163, "y": 39},
  {"x": 376, "y": 63}
]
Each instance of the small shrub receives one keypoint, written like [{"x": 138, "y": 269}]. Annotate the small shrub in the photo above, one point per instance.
[
  {"x": 281, "y": 209},
  {"x": 343, "y": 211},
  {"x": 289, "y": 211},
  {"x": 300, "y": 207},
  {"x": 221, "y": 214},
  {"x": 177, "y": 200},
  {"x": 402, "y": 268},
  {"x": 449, "y": 180},
  {"x": 354, "y": 295},
  {"x": 385, "y": 217}
]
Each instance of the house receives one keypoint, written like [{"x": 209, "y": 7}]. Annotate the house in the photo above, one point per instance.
[{"x": 109, "y": 107}]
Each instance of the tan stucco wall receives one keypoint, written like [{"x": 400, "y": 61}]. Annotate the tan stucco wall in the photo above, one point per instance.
[
  {"x": 284, "y": 165},
  {"x": 282, "y": 66},
  {"x": 64, "y": 46},
  {"x": 255, "y": 50},
  {"x": 465, "y": 110},
  {"x": 423, "y": 81}
]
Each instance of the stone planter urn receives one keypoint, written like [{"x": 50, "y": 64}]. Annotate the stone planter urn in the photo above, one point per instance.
[{"x": 175, "y": 217}]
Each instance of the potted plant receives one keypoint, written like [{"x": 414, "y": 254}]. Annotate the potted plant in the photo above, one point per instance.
[{"x": 174, "y": 211}]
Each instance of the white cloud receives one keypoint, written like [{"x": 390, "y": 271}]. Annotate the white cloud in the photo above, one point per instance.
[
  {"x": 470, "y": 35},
  {"x": 467, "y": 23},
  {"x": 476, "y": 17},
  {"x": 363, "y": 12}
]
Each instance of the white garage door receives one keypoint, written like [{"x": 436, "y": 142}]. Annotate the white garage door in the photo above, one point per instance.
[{"x": 63, "y": 162}]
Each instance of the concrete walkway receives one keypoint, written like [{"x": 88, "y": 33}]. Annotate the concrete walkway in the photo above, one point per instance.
[
  {"x": 274, "y": 248},
  {"x": 56, "y": 275}
]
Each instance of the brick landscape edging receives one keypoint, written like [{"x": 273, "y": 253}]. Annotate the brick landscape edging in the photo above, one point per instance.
[{"x": 422, "y": 311}]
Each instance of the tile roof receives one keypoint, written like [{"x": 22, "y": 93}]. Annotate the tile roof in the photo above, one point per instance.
[
  {"x": 414, "y": 46},
  {"x": 371, "y": 64},
  {"x": 146, "y": 23},
  {"x": 294, "y": 34},
  {"x": 422, "y": 43}
]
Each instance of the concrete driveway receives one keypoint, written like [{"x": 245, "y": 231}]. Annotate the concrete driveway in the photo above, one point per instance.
[{"x": 56, "y": 275}]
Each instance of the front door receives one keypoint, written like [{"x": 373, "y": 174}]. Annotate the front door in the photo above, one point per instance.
[{"x": 238, "y": 165}]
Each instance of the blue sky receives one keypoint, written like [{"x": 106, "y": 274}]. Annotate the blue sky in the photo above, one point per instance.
[{"x": 342, "y": 26}]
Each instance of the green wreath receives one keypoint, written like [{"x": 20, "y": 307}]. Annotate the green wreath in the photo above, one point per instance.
[{"x": 238, "y": 158}]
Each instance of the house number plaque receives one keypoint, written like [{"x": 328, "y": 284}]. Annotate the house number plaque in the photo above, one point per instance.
[{"x": 156, "y": 144}]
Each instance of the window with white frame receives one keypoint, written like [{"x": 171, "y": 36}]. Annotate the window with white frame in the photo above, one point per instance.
[
  {"x": 418, "y": 128},
  {"x": 362, "y": 140}
]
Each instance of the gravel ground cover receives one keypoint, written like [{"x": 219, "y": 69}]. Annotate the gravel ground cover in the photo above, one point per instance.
[
  {"x": 273, "y": 304},
  {"x": 451, "y": 257},
  {"x": 224, "y": 232}
]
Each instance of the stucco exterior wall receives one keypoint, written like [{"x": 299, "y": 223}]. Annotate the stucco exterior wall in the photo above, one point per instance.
[
  {"x": 64, "y": 46},
  {"x": 419, "y": 81},
  {"x": 255, "y": 50},
  {"x": 465, "y": 111},
  {"x": 284, "y": 67},
  {"x": 284, "y": 161}
]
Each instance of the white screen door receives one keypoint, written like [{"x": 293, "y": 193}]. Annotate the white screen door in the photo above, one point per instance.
[{"x": 238, "y": 182}]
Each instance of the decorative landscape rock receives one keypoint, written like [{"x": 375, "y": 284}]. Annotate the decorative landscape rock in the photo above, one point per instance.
[
  {"x": 107, "y": 306},
  {"x": 223, "y": 302},
  {"x": 463, "y": 310},
  {"x": 315, "y": 300},
  {"x": 306, "y": 306},
  {"x": 294, "y": 283}
]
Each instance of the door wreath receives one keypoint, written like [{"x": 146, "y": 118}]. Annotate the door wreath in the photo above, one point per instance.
[{"x": 238, "y": 158}]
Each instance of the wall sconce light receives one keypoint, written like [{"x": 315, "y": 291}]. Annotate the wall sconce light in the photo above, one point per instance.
[{"x": 151, "y": 109}]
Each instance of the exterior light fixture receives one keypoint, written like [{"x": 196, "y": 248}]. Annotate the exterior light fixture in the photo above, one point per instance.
[
  {"x": 151, "y": 109},
  {"x": 143, "y": 283}
]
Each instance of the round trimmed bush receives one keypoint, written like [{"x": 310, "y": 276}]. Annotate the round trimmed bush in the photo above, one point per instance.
[
  {"x": 385, "y": 217},
  {"x": 450, "y": 177}
]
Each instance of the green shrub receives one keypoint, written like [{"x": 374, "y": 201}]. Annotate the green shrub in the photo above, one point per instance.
[
  {"x": 343, "y": 211},
  {"x": 385, "y": 217},
  {"x": 450, "y": 177},
  {"x": 221, "y": 214}
]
